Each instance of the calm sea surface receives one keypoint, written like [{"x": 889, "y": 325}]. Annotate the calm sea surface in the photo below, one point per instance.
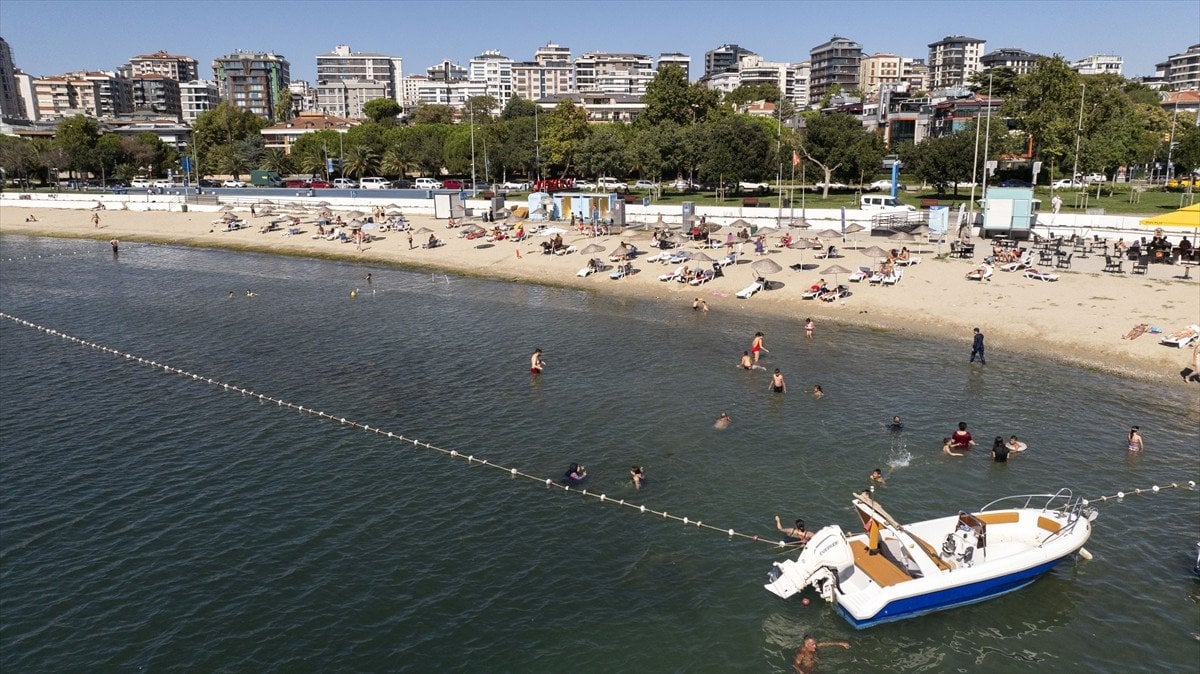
[{"x": 151, "y": 522}]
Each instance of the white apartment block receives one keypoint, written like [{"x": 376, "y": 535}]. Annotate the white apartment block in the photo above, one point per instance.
[
  {"x": 683, "y": 61},
  {"x": 436, "y": 92},
  {"x": 197, "y": 97},
  {"x": 177, "y": 67},
  {"x": 1098, "y": 64},
  {"x": 28, "y": 98},
  {"x": 533, "y": 81},
  {"x": 552, "y": 53},
  {"x": 495, "y": 71},
  {"x": 953, "y": 59},
  {"x": 345, "y": 78},
  {"x": 790, "y": 78},
  {"x": 613, "y": 73},
  {"x": 1018, "y": 60},
  {"x": 91, "y": 93},
  {"x": 304, "y": 97}
]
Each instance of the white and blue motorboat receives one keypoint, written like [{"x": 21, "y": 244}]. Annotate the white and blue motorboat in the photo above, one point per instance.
[{"x": 893, "y": 572}]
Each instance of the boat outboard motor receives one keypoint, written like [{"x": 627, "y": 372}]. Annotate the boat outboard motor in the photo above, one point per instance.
[{"x": 824, "y": 559}]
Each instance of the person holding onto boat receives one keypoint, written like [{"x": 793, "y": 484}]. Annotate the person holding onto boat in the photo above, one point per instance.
[
  {"x": 1000, "y": 450},
  {"x": 806, "y": 656},
  {"x": 948, "y": 448},
  {"x": 796, "y": 535}
]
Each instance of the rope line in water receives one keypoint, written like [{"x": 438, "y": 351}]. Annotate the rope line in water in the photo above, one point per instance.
[
  {"x": 49, "y": 255},
  {"x": 1191, "y": 484},
  {"x": 470, "y": 458}
]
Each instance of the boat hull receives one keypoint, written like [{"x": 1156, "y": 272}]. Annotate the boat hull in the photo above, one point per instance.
[{"x": 952, "y": 597}]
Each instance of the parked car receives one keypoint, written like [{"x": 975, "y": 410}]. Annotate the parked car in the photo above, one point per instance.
[
  {"x": 833, "y": 187},
  {"x": 609, "y": 183},
  {"x": 514, "y": 185},
  {"x": 683, "y": 185},
  {"x": 297, "y": 182},
  {"x": 452, "y": 184},
  {"x": 428, "y": 184},
  {"x": 233, "y": 183},
  {"x": 318, "y": 183},
  {"x": 141, "y": 183},
  {"x": 1065, "y": 184},
  {"x": 402, "y": 184},
  {"x": 753, "y": 186},
  {"x": 584, "y": 185},
  {"x": 374, "y": 183},
  {"x": 645, "y": 185},
  {"x": 881, "y": 185},
  {"x": 1095, "y": 178},
  {"x": 344, "y": 184},
  {"x": 205, "y": 182}
]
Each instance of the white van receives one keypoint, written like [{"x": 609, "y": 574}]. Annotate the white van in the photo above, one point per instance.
[
  {"x": 375, "y": 183},
  {"x": 882, "y": 202},
  {"x": 427, "y": 184},
  {"x": 608, "y": 183},
  {"x": 344, "y": 184}
]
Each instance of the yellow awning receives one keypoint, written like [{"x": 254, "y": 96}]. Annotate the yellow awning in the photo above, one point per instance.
[{"x": 1184, "y": 217}]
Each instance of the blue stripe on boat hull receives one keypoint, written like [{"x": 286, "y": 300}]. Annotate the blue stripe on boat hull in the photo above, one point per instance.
[{"x": 953, "y": 597}]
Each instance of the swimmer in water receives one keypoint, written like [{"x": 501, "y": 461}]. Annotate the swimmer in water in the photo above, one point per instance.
[
  {"x": 536, "y": 364},
  {"x": 1015, "y": 445},
  {"x": 251, "y": 293},
  {"x": 747, "y": 363},
  {"x": 723, "y": 421},
  {"x": 637, "y": 475},
  {"x": 817, "y": 392},
  {"x": 808, "y": 327},
  {"x": 877, "y": 476},
  {"x": 796, "y": 534},
  {"x": 367, "y": 278},
  {"x": 778, "y": 385},
  {"x": 231, "y": 295},
  {"x": 948, "y": 448},
  {"x": 896, "y": 426}
]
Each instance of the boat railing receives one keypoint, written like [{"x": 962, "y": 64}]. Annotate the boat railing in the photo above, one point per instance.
[{"x": 1064, "y": 499}]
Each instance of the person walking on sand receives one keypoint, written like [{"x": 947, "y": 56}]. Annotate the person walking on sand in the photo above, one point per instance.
[
  {"x": 410, "y": 239},
  {"x": 95, "y": 219},
  {"x": 536, "y": 364},
  {"x": 977, "y": 347},
  {"x": 778, "y": 385},
  {"x": 756, "y": 346}
]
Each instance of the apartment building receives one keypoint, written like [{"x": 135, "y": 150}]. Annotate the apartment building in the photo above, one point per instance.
[
  {"x": 97, "y": 93},
  {"x": 600, "y": 106},
  {"x": 12, "y": 105},
  {"x": 835, "y": 63},
  {"x": 157, "y": 94},
  {"x": 724, "y": 59},
  {"x": 1098, "y": 64},
  {"x": 953, "y": 59},
  {"x": 285, "y": 134},
  {"x": 1182, "y": 71},
  {"x": 533, "y": 80},
  {"x": 613, "y": 73},
  {"x": 552, "y": 53},
  {"x": 177, "y": 67},
  {"x": 495, "y": 71},
  {"x": 197, "y": 97},
  {"x": 1018, "y": 60},
  {"x": 682, "y": 61},
  {"x": 252, "y": 80},
  {"x": 346, "y": 79}
]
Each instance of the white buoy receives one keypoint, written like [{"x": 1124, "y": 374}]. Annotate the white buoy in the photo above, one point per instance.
[
  {"x": 1083, "y": 552},
  {"x": 1120, "y": 494}
]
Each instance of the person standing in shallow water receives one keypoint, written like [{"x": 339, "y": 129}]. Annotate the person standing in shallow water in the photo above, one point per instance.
[
  {"x": 536, "y": 364},
  {"x": 1135, "y": 439},
  {"x": 977, "y": 347},
  {"x": 778, "y": 385},
  {"x": 756, "y": 346}
]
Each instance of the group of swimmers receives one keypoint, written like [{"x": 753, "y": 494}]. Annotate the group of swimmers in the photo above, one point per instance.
[
  {"x": 960, "y": 441},
  {"x": 577, "y": 473}
]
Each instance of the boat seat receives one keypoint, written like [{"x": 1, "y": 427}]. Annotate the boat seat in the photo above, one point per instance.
[
  {"x": 999, "y": 518},
  {"x": 878, "y": 568},
  {"x": 1049, "y": 525}
]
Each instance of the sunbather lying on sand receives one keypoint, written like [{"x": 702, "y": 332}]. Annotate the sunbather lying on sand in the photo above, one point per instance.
[{"x": 1137, "y": 331}]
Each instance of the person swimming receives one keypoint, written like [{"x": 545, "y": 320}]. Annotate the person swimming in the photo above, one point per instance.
[
  {"x": 896, "y": 426},
  {"x": 637, "y": 475},
  {"x": 747, "y": 363},
  {"x": 877, "y": 476},
  {"x": 575, "y": 474},
  {"x": 796, "y": 535},
  {"x": 723, "y": 421},
  {"x": 1015, "y": 445},
  {"x": 817, "y": 392}
]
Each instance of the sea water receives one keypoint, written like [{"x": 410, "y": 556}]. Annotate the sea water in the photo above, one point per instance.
[{"x": 155, "y": 522}]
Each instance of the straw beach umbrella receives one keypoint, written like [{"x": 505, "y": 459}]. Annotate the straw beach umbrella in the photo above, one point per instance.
[
  {"x": 591, "y": 248},
  {"x": 765, "y": 266},
  {"x": 874, "y": 251}
]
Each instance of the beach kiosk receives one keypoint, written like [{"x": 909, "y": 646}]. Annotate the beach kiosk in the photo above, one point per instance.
[
  {"x": 1009, "y": 212},
  {"x": 587, "y": 206}
]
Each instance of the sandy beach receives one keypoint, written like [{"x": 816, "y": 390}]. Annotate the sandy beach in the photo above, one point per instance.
[{"x": 1079, "y": 319}]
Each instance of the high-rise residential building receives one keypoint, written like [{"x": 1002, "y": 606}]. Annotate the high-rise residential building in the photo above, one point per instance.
[
  {"x": 613, "y": 73},
  {"x": 1182, "y": 71},
  {"x": 455, "y": 93},
  {"x": 953, "y": 59},
  {"x": 28, "y": 98},
  {"x": 724, "y": 59},
  {"x": 916, "y": 73},
  {"x": 552, "y": 53},
  {"x": 834, "y": 64},
  {"x": 157, "y": 94},
  {"x": 91, "y": 93},
  {"x": 446, "y": 71},
  {"x": 176, "y": 67},
  {"x": 196, "y": 97},
  {"x": 802, "y": 75},
  {"x": 11, "y": 104},
  {"x": 346, "y": 79},
  {"x": 495, "y": 70},
  {"x": 304, "y": 97},
  {"x": 1098, "y": 64},
  {"x": 533, "y": 80},
  {"x": 1018, "y": 60},
  {"x": 252, "y": 80},
  {"x": 879, "y": 69},
  {"x": 675, "y": 58}
]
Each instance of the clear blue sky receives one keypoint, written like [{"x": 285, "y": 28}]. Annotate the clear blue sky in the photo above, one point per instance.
[{"x": 51, "y": 37}]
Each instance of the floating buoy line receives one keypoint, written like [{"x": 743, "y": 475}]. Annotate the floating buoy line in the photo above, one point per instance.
[
  {"x": 471, "y": 459},
  {"x": 47, "y": 256},
  {"x": 1139, "y": 491}
]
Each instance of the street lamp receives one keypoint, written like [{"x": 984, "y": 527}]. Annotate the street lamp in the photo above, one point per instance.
[
  {"x": 1078, "y": 133},
  {"x": 472, "y": 110}
]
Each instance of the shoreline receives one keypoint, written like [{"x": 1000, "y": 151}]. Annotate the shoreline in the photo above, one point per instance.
[{"x": 1078, "y": 320}]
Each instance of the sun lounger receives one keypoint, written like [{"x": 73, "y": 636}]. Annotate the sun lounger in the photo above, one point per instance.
[
  {"x": 595, "y": 266},
  {"x": 673, "y": 276},
  {"x": 1025, "y": 261},
  {"x": 620, "y": 272},
  {"x": 663, "y": 257},
  {"x": 983, "y": 273},
  {"x": 1040, "y": 275},
  {"x": 909, "y": 261},
  {"x": 813, "y": 293},
  {"x": 861, "y": 274},
  {"x": 676, "y": 258},
  {"x": 1182, "y": 338},
  {"x": 702, "y": 278},
  {"x": 748, "y": 292},
  {"x": 566, "y": 250},
  {"x": 727, "y": 260},
  {"x": 840, "y": 292},
  {"x": 893, "y": 278}
]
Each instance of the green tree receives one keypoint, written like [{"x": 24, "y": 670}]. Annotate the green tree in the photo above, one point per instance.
[
  {"x": 669, "y": 97},
  {"x": 76, "y": 137},
  {"x": 275, "y": 159},
  {"x": 424, "y": 145},
  {"x": 735, "y": 148},
  {"x": 1003, "y": 82},
  {"x": 382, "y": 110},
  {"x": 518, "y": 107},
  {"x": 217, "y": 132},
  {"x": 837, "y": 145},
  {"x": 563, "y": 131},
  {"x": 394, "y": 163},
  {"x": 18, "y": 156},
  {"x": 283, "y": 105},
  {"x": 513, "y": 148},
  {"x": 481, "y": 109},
  {"x": 1046, "y": 106},
  {"x": 941, "y": 160},
  {"x": 602, "y": 153},
  {"x": 108, "y": 153},
  {"x": 429, "y": 113},
  {"x": 1187, "y": 152},
  {"x": 361, "y": 160}
]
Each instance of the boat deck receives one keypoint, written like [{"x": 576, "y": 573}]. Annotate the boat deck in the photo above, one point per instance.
[{"x": 878, "y": 568}]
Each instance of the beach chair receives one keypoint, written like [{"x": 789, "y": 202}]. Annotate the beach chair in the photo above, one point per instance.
[
  {"x": 621, "y": 271},
  {"x": 1182, "y": 338},
  {"x": 894, "y": 278},
  {"x": 673, "y": 276},
  {"x": 1064, "y": 261},
  {"x": 861, "y": 274},
  {"x": 1114, "y": 266},
  {"x": 1038, "y": 275},
  {"x": 910, "y": 261},
  {"x": 727, "y": 260},
  {"x": 702, "y": 278},
  {"x": 1142, "y": 265},
  {"x": 748, "y": 292},
  {"x": 840, "y": 292},
  {"x": 595, "y": 265},
  {"x": 1025, "y": 261},
  {"x": 676, "y": 258}
]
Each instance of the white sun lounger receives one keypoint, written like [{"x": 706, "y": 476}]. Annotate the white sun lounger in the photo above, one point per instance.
[
  {"x": 1025, "y": 261},
  {"x": 859, "y": 276},
  {"x": 674, "y": 276},
  {"x": 1183, "y": 337},
  {"x": 748, "y": 292},
  {"x": 909, "y": 261},
  {"x": 1040, "y": 275},
  {"x": 893, "y": 278}
]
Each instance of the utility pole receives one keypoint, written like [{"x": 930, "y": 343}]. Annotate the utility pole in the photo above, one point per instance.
[{"x": 1078, "y": 134}]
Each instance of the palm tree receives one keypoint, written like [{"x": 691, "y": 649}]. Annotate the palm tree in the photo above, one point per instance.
[
  {"x": 277, "y": 160},
  {"x": 310, "y": 163},
  {"x": 360, "y": 161},
  {"x": 394, "y": 163}
]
